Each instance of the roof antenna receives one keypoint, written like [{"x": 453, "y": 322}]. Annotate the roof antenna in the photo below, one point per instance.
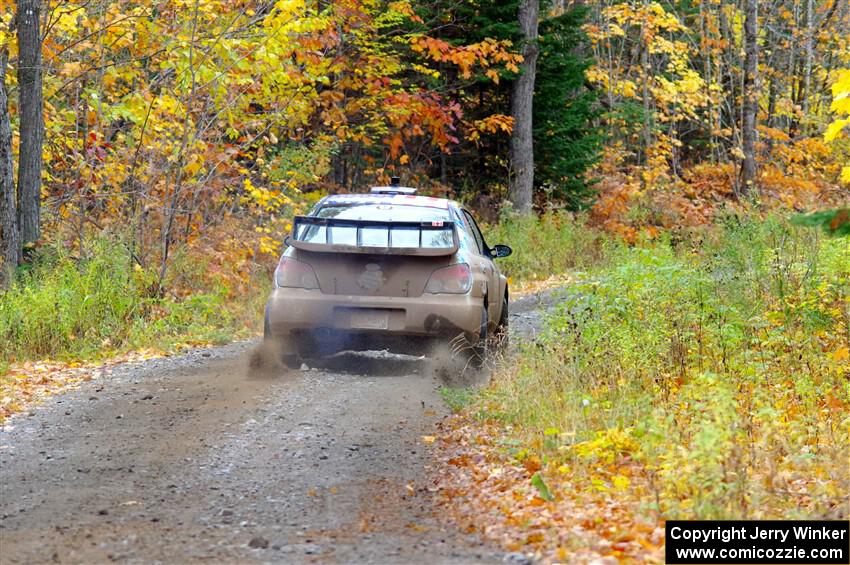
[{"x": 395, "y": 181}]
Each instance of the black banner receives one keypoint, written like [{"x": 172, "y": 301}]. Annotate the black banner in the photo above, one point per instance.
[{"x": 757, "y": 541}]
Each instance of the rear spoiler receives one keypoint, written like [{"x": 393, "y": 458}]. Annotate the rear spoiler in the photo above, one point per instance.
[{"x": 332, "y": 235}]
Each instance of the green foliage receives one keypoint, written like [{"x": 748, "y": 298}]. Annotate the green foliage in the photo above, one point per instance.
[
  {"x": 715, "y": 369},
  {"x": 541, "y": 486},
  {"x": 70, "y": 308},
  {"x": 568, "y": 244},
  {"x": 457, "y": 398},
  {"x": 833, "y": 222},
  {"x": 629, "y": 117},
  {"x": 566, "y": 144},
  {"x": 491, "y": 18}
]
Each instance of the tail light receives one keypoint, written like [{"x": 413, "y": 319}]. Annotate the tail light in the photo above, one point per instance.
[
  {"x": 292, "y": 273},
  {"x": 454, "y": 279}
]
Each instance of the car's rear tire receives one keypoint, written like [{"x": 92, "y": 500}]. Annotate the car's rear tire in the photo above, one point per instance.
[
  {"x": 479, "y": 349},
  {"x": 500, "y": 337},
  {"x": 290, "y": 360}
]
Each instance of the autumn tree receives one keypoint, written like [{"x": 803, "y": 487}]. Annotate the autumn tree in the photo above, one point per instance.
[
  {"x": 838, "y": 131},
  {"x": 476, "y": 166},
  {"x": 566, "y": 140},
  {"x": 168, "y": 119}
]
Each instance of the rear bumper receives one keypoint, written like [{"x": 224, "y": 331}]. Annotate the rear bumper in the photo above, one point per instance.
[{"x": 430, "y": 315}]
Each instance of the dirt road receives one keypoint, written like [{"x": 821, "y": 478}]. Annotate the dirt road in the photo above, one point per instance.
[{"x": 191, "y": 458}]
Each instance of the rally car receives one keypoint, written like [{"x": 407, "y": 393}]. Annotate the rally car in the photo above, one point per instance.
[{"x": 387, "y": 270}]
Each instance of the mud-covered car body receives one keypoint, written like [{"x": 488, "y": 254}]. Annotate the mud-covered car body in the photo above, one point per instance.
[{"x": 385, "y": 270}]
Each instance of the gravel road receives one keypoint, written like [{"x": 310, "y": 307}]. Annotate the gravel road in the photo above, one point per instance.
[{"x": 194, "y": 458}]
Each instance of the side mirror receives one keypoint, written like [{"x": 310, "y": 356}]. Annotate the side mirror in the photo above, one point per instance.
[{"x": 500, "y": 251}]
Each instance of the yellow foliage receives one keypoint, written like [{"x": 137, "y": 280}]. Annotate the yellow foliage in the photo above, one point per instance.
[
  {"x": 836, "y": 129},
  {"x": 608, "y": 445},
  {"x": 840, "y": 105},
  {"x": 265, "y": 199},
  {"x": 841, "y": 93}
]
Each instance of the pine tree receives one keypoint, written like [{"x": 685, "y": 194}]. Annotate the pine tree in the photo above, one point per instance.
[{"x": 566, "y": 143}]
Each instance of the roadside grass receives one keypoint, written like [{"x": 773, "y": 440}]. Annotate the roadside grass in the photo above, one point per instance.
[
  {"x": 72, "y": 309},
  {"x": 552, "y": 244},
  {"x": 458, "y": 398},
  {"x": 703, "y": 379}
]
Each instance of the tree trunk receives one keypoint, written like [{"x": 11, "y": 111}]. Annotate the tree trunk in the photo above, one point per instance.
[
  {"x": 750, "y": 110},
  {"x": 522, "y": 97},
  {"x": 790, "y": 123},
  {"x": 10, "y": 237},
  {"x": 707, "y": 75},
  {"x": 32, "y": 126},
  {"x": 807, "y": 72},
  {"x": 646, "y": 74},
  {"x": 771, "y": 109}
]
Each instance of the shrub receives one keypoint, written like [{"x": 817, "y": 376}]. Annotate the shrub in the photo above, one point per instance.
[
  {"x": 66, "y": 307},
  {"x": 724, "y": 360},
  {"x": 547, "y": 245}
]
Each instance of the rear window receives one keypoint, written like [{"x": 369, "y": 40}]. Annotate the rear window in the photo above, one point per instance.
[
  {"x": 383, "y": 212},
  {"x": 380, "y": 236}
]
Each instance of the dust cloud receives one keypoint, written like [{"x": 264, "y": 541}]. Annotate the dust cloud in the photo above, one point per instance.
[
  {"x": 458, "y": 369},
  {"x": 448, "y": 364},
  {"x": 265, "y": 362}
]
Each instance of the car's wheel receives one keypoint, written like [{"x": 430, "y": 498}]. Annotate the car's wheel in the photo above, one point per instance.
[
  {"x": 500, "y": 338},
  {"x": 291, "y": 360},
  {"x": 479, "y": 349}
]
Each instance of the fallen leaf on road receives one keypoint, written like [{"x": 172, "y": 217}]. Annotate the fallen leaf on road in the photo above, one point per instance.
[
  {"x": 487, "y": 490},
  {"x": 25, "y": 384}
]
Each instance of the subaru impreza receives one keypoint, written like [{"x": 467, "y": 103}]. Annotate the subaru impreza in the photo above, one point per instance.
[{"x": 387, "y": 270}]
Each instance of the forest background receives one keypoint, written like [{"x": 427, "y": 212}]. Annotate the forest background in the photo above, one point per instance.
[{"x": 649, "y": 158}]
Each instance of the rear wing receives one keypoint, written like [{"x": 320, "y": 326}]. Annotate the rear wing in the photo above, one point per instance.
[{"x": 332, "y": 235}]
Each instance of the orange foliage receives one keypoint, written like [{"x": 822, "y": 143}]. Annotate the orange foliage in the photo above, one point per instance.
[{"x": 794, "y": 175}]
